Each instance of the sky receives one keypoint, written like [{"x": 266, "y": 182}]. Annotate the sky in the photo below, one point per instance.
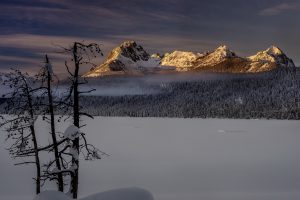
[{"x": 31, "y": 28}]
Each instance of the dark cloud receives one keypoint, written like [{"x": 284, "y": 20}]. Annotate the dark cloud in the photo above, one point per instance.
[
  {"x": 281, "y": 8},
  {"x": 160, "y": 25}
]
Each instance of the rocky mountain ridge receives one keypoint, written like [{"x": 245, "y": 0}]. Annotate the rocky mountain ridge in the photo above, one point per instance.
[{"x": 131, "y": 58}]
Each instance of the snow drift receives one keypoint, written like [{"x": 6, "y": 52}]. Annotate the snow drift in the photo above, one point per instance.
[
  {"x": 52, "y": 195},
  {"x": 122, "y": 194},
  {"x": 117, "y": 194}
]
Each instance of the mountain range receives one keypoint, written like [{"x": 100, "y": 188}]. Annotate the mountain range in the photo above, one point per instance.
[{"x": 132, "y": 59}]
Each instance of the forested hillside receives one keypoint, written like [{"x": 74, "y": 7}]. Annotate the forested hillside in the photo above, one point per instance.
[{"x": 272, "y": 95}]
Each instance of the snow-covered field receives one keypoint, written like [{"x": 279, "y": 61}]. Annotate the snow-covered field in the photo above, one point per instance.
[{"x": 181, "y": 159}]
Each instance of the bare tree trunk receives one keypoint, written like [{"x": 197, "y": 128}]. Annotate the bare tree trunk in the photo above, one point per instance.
[
  {"x": 34, "y": 140},
  {"x": 76, "y": 117},
  {"x": 37, "y": 161},
  {"x": 79, "y": 50},
  {"x": 52, "y": 124}
]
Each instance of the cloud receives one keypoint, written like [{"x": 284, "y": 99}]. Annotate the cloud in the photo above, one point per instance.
[
  {"x": 96, "y": 18},
  {"x": 280, "y": 8},
  {"x": 39, "y": 42},
  {"x": 28, "y": 50},
  {"x": 31, "y": 28}
]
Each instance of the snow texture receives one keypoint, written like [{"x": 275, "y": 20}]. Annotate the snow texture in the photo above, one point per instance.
[
  {"x": 181, "y": 59},
  {"x": 122, "y": 194},
  {"x": 74, "y": 153},
  {"x": 72, "y": 132},
  {"x": 179, "y": 159},
  {"x": 117, "y": 194},
  {"x": 272, "y": 55},
  {"x": 52, "y": 195}
]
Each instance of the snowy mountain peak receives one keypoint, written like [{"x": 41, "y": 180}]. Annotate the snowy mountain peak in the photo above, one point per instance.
[
  {"x": 223, "y": 48},
  {"x": 273, "y": 55},
  {"x": 131, "y": 50},
  {"x": 128, "y": 57},
  {"x": 182, "y": 60},
  {"x": 223, "y": 52},
  {"x": 273, "y": 50},
  {"x": 128, "y": 43}
]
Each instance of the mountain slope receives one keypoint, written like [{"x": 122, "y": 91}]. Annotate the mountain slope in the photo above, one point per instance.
[
  {"x": 128, "y": 58},
  {"x": 180, "y": 59},
  {"x": 273, "y": 55}
]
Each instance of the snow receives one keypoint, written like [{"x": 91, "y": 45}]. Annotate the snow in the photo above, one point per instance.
[
  {"x": 263, "y": 56},
  {"x": 275, "y": 51},
  {"x": 222, "y": 52},
  {"x": 178, "y": 159},
  {"x": 256, "y": 66},
  {"x": 116, "y": 194},
  {"x": 72, "y": 132},
  {"x": 272, "y": 55},
  {"x": 183, "y": 61},
  {"x": 74, "y": 153},
  {"x": 52, "y": 195},
  {"x": 28, "y": 117},
  {"x": 122, "y": 194},
  {"x": 131, "y": 65},
  {"x": 180, "y": 59},
  {"x": 156, "y": 55}
]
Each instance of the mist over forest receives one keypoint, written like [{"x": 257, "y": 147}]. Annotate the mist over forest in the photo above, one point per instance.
[{"x": 271, "y": 95}]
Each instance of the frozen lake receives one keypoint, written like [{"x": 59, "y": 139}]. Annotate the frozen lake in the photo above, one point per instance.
[{"x": 182, "y": 159}]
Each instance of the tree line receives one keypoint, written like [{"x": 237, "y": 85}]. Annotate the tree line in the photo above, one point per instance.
[{"x": 270, "y": 95}]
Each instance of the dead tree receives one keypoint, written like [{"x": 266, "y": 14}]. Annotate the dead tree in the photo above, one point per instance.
[
  {"x": 82, "y": 54},
  {"x": 46, "y": 78},
  {"x": 22, "y": 107}
]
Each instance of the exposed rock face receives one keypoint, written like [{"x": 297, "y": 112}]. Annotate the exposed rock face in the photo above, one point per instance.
[
  {"x": 116, "y": 65},
  {"x": 131, "y": 50}
]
